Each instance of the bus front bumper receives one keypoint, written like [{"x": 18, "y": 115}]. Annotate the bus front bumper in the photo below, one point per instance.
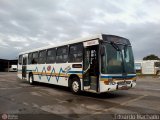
[{"x": 118, "y": 85}]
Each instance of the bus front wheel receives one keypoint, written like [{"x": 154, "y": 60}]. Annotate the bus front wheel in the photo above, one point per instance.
[{"x": 75, "y": 86}]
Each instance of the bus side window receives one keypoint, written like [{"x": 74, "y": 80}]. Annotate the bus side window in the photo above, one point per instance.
[
  {"x": 20, "y": 60},
  {"x": 51, "y": 56},
  {"x": 35, "y": 58},
  {"x": 62, "y": 54},
  {"x": 42, "y": 57},
  {"x": 30, "y": 58},
  {"x": 76, "y": 53}
]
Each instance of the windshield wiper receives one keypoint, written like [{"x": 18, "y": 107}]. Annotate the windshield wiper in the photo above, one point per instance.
[{"x": 115, "y": 46}]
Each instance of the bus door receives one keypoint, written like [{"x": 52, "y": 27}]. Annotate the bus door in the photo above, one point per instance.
[
  {"x": 24, "y": 66},
  {"x": 91, "y": 68}
]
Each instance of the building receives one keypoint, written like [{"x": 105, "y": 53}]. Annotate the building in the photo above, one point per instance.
[{"x": 6, "y": 64}]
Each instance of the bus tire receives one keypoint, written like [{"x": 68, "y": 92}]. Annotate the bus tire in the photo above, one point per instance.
[
  {"x": 75, "y": 86},
  {"x": 31, "y": 79}
]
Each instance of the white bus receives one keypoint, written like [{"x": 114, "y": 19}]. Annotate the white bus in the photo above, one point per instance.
[{"x": 99, "y": 63}]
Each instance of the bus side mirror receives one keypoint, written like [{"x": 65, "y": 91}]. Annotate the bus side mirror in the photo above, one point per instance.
[{"x": 102, "y": 50}]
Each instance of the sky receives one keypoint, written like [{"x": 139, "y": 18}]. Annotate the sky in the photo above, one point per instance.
[{"x": 29, "y": 24}]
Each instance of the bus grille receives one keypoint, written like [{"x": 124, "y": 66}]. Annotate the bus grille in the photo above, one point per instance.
[{"x": 123, "y": 82}]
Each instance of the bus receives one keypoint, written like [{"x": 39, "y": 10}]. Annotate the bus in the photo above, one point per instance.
[{"x": 98, "y": 63}]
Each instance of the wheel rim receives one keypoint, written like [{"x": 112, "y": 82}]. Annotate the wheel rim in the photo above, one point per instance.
[{"x": 75, "y": 86}]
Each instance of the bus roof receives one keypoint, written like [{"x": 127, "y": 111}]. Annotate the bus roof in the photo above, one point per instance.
[{"x": 92, "y": 37}]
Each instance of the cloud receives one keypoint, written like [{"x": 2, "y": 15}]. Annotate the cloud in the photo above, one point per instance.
[{"x": 27, "y": 24}]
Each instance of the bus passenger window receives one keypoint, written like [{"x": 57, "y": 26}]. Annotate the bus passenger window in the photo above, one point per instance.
[
  {"x": 51, "y": 56},
  {"x": 75, "y": 53},
  {"x": 35, "y": 58},
  {"x": 62, "y": 54},
  {"x": 42, "y": 57}
]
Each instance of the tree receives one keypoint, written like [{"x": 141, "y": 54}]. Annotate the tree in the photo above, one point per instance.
[{"x": 151, "y": 57}]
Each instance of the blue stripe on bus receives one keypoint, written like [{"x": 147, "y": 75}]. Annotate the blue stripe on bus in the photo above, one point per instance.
[{"x": 129, "y": 76}]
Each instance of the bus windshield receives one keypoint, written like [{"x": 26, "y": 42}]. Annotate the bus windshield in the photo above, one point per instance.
[{"x": 117, "y": 59}]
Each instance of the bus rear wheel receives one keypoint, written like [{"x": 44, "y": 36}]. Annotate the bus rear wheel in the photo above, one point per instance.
[
  {"x": 75, "y": 86},
  {"x": 31, "y": 79}
]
